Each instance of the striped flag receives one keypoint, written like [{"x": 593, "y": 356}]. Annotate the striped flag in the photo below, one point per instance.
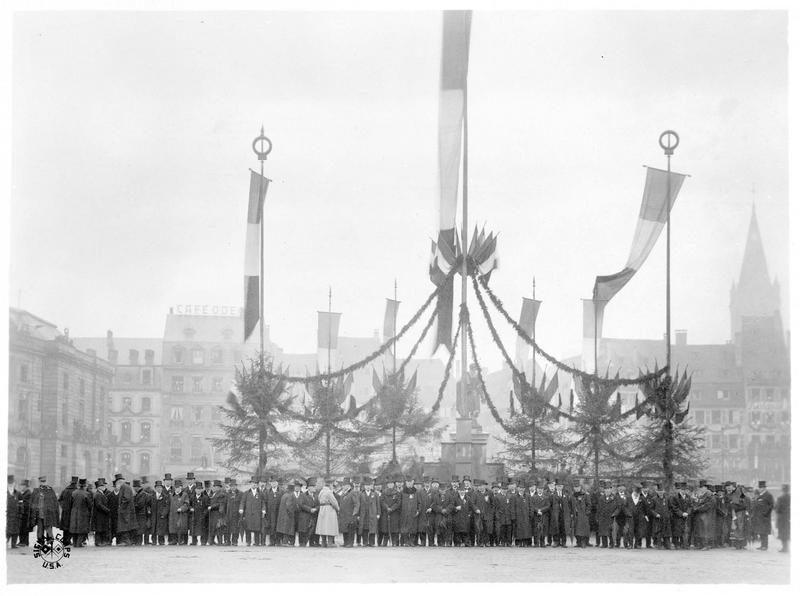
[
  {"x": 252, "y": 253},
  {"x": 592, "y": 329},
  {"x": 452, "y": 97},
  {"x": 652, "y": 217}
]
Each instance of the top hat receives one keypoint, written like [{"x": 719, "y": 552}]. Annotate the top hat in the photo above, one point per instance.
[
  {"x": 10, "y": 478},
  {"x": 454, "y": 479},
  {"x": 218, "y": 483},
  {"x": 199, "y": 486},
  {"x": 27, "y": 482},
  {"x": 189, "y": 475},
  {"x": 254, "y": 479},
  {"x": 145, "y": 480},
  {"x": 207, "y": 483},
  {"x": 82, "y": 482},
  {"x": 762, "y": 484},
  {"x": 702, "y": 483},
  {"x": 159, "y": 483},
  {"x": 227, "y": 480},
  {"x": 74, "y": 480},
  {"x": 179, "y": 483},
  {"x": 167, "y": 476},
  {"x": 137, "y": 483},
  {"x": 118, "y": 477},
  {"x": 98, "y": 484},
  {"x": 466, "y": 479}
]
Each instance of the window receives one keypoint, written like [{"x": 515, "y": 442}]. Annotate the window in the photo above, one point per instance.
[
  {"x": 755, "y": 417},
  {"x": 216, "y": 384},
  {"x": 216, "y": 356},
  {"x": 770, "y": 440},
  {"x": 176, "y": 447},
  {"x": 716, "y": 416},
  {"x": 81, "y": 412},
  {"x": 23, "y": 373},
  {"x": 700, "y": 416},
  {"x": 127, "y": 378},
  {"x": 125, "y": 431},
  {"x": 126, "y": 459},
  {"x": 64, "y": 450},
  {"x": 769, "y": 394},
  {"x": 22, "y": 407},
  {"x": 197, "y": 413},
  {"x": 127, "y": 403},
  {"x": 64, "y": 411},
  {"x": 197, "y": 384},
  {"x": 197, "y": 356},
  {"x": 177, "y": 384},
  {"x": 177, "y": 355},
  {"x": 145, "y": 404},
  {"x": 733, "y": 441},
  {"x": 769, "y": 417},
  {"x": 65, "y": 381},
  {"x": 176, "y": 413},
  {"x": 716, "y": 441},
  {"x": 755, "y": 393},
  {"x": 145, "y": 432},
  {"x": 723, "y": 394},
  {"x": 732, "y": 417},
  {"x": 144, "y": 463},
  {"x": 147, "y": 376},
  {"x": 81, "y": 387}
]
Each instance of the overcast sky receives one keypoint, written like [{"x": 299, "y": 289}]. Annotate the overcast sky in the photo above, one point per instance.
[{"x": 131, "y": 149}]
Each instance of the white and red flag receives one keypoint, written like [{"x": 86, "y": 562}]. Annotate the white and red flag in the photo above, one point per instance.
[{"x": 252, "y": 253}]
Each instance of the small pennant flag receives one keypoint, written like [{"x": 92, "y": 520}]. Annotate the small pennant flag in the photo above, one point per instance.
[
  {"x": 527, "y": 321},
  {"x": 390, "y": 319},
  {"x": 252, "y": 252}
]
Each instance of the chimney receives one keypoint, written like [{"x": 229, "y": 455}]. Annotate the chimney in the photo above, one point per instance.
[
  {"x": 133, "y": 357},
  {"x": 112, "y": 355},
  {"x": 149, "y": 357},
  {"x": 681, "y": 336}
]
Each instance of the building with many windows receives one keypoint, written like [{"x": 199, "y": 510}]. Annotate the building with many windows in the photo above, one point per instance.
[{"x": 58, "y": 400}]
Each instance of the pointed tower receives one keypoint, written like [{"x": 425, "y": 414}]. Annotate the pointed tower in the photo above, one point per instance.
[{"x": 754, "y": 295}]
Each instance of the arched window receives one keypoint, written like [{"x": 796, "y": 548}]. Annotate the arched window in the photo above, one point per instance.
[
  {"x": 145, "y": 432},
  {"x": 125, "y": 458},
  {"x": 177, "y": 355},
  {"x": 125, "y": 431},
  {"x": 144, "y": 463},
  {"x": 176, "y": 447}
]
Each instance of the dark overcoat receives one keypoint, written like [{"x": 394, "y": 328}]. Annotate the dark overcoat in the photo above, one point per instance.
[
  {"x": 287, "y": 513},
  {"x": 660, "y": 516},
  {"x": 560, "y": 510},
  {"x": 252, "y": 507},
  {"x": 179, "y": 513},
  {"x": 462, "y": 513},
  {"x": 437, "y": 517},
  {"x": 605, "y": 510},
  {"x": 484, "y": 501},
  {"x": 762, "y": 513},
  {"x": 100, "y": 511},
  {"x": 126, "y": 514},
  {"x": 80, "y": 521},
  {"x": 112, "y": 498},
  {"x": 272, "y": 504},
  {"x": 392, "y": 502},
  {"x": 217, "y": 515},
  {"x": 49, "y": 514},
  {"x": 65, "y": 502},
  {"x": 198, "y": 519},
  {"x": 581, "y": 509},
  {"x": 369, "y": 510},
  {"x": 349, "y": 509},
  {"x": 13, "y": 512},
  {"x": 540, "y": 514},
  {"x": 522, "y": 517},
  {"x": 782, "y": 516},
  {"x": 640, "y": 512},
  {"x": 409, "y": 510},
  {"x": 704, "y": 514},
  {"x": 233, "y": 496},
  {"x": 425, "y": 519},
  {"x": 159, "y": 513},
  {"x": 504, "y": 511},
  {"x": 306, "y": 513},
  {"x": 142, "y": 503},
  {"x": 678, "y": 505},
  {"x": 25, "y": 514}
]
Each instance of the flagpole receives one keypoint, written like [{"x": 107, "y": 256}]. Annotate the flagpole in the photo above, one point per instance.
[
  {"x": 464, "y": 232},
  {"x": 533, "y": 384},
  {"x": 263, "y": 149},
  {"x": 669, "y": 146},
  {"x": 394, "y": 331},
  {"x": 328, "y": 393}
]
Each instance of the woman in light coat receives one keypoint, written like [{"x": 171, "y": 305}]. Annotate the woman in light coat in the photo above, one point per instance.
[{"x": 328, "y": 518}]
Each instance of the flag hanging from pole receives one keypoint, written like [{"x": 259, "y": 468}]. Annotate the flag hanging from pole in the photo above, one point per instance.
[
  {"x": 452, "y": 96},
  {"x": 390, "y": 319},
  {"x": 652, "y": 217},
  {"x": 592, "y": 329},
  {"x": 327, "y": 337},
  {"x": 252, "y": 253},
  {"x": 527, "y": 321}
]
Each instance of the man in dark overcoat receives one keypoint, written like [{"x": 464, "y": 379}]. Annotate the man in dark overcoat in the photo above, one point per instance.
[
  {"x": 369, "y": 514},
  {"x": 679, "y": 508},
  {"x": 649, "y": 495},
  {"x": 559, "y": 514},
  {"x": 233, "y": 495},
  {"x": 762, "y": 514},
  {"x": 392, "y": 502},
  {"x": 25, "y": 513},
  {"x": 623, "y": 519},
  {"x": 13, "y": 512},
  {"x": 306, "y": 518},
  {"x": 409, "y": 513},
  {"x": 112, "y": 498},
  {"x": 44, "y": 509},
  {"x": 505, "y": 512},
  {"x": 484, "y": 503},
  {"x": 80, "y": 515},
  {"x": 287, "y": 515},
  {"x": 580, "y": 507},
  {"x": 141, "y": 505},
  {"x": 159, "y": 509},
  {"x": 436, "y": 516},
  {"x": 661, "y": 518},
  {"x": 101, "y": 524},
  {"x": 540, "y": 516},
  {"x": 606, "y": 505},
  {"x": 251, "y": 510},
  {"x": 640, "y": 515},
  {"x": 198, "y": 515},
  {"x": 349, "y": 511},
  {"x": 425, "y": 517},
  {"x": 272, "y": 502},
  {"x": 522, "y": 516},
  {"x": 179, "y": 514},
  {"x": 704, "y": 515},
  {"x": 782, "y": 519},
  {"x": 65, "y": 502},
  {"x": 217, "y": 515},
  {"x": 462, "y": 513},
  {"x": 126, "y": 513}
]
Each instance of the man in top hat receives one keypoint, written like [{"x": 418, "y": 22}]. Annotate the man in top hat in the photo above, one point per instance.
[
  {"x": 80, "y": 514},
  {"x": 606, "y": 505},
  {"x": 641, "y": 515},
  {"x": 179, "y": 515},
  {"x": 540, "y": 515},
  {"x": 580, "y": 506},
  {"x": 65, "y": 502},
  {"x": 661, "y": 518},
  {"x": 232, "y": 520},
  {"x": 190, "y": 483},
  {"x": 623, "y": 519},
  {"x": 462, "y": 512},
  {"x": 126, "y": 513},
  {"x": 168, "y": 484},
  {"x": 435, "y": 517},
  {"x": 13, "y": 512},
  {"x": 505, "y": 514},
  {"x": 349, "y": 512},
  {"x": 251, "y": 511},
  {"x": 782, "y": 520},
  {"x": 159, "y": 513},
  {"x": 369, "y": 510},
  {"x": 306, "y": 512},
  {"x": 648, "y": 495},
  {"x": 44, "y": 510},
  {"x": 272, "y": 503},
  {"x": 409, "y": 512},
  {"x": 25, "y": 526},
  {"x": 679, "y": 508},
  {"x": 141, "y": 505},
  {"x": 101, "y": 524},
  {"x": 217, "y": 514},
  {"x": 720, "y": 513},
  {"x": 559, "y": 515},
  {"x": 390, "y": 507},
  {"x": 704, "y": 515},
  {"x": 484, "y": 506},
  {"x": 198, "y": 515},
  {"x": 287, "y": 515},
  {"x": 762, "y": 514}
]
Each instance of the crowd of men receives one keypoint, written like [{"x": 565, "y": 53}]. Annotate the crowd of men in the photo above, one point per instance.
[{"x": 395, "y": 512}]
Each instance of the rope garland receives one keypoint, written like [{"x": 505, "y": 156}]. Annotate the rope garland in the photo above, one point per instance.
[
  {"x": 376, "y": 354},
  {"x": 552, "y": 360}
]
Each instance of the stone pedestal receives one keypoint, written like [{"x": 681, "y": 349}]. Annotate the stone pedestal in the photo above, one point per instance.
[{"x": 465, "y": 455}]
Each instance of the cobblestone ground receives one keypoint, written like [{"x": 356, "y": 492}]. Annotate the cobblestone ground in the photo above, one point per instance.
[{"x": 189, "y": 564}]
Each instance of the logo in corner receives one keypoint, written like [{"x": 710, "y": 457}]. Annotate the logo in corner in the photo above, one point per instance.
[{"x": 51, "y": 551}]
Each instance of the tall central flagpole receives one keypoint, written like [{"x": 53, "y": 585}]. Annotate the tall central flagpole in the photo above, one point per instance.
[
  {"x": 262, "y": 147},
  {"x": 533, "y": 385},
  {"x": 328, "y": 393},
  {"x": 464, "y": 247},
  {"x": 394, "y": 332},
  {"x": 395, "y": 380}
]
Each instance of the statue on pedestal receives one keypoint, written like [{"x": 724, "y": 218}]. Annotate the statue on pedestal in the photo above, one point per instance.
[{"x": 468, "y": 403}]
